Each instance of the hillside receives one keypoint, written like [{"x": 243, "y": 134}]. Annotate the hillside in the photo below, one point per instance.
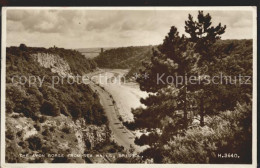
[
  {"x": 124, "y": 58},
  {"x": 132, "y": 57},
  {"x": 46, "y": 119},
  {"x": 77, "y": 62},
  {"x": 91, "y": 53}
]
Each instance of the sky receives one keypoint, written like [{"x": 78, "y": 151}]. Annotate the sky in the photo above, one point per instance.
[{"x": 111, "y": 28}]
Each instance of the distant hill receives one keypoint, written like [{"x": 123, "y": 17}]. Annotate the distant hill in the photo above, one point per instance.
[
  {"x": 124, "y": 57},
  {"x": 132, "y": 57},
  {"x": 90, "y": 53}
]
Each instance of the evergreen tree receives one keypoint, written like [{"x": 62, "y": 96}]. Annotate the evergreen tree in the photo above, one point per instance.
[
  {"x": 204, "y": 36},
  {"x": 174, "y": 59},
  {"x": 169, "y": 102},
  {"x": 171, "y": 105}
]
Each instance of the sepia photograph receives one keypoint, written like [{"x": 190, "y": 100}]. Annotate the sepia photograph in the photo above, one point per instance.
[{"x": 113, "y": 85}]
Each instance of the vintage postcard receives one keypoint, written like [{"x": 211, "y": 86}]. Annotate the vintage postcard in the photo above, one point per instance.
[{"x": 143, "y": 86}]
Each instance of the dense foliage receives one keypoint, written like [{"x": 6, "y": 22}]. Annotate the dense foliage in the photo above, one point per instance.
[
  {"x": 35, "y": 109},
  {"x": 223, "y": 111},
  {"x": 226, "y": 133},
  {"x": 124, "y": 58},
  {"x": 75, "y": 100},
  {"x": 77, "y": 62}
]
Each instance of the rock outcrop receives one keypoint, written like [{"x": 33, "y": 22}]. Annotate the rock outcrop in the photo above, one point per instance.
[
  {"x": 54, "y": 62},
  {"x": 91, "y": 133}
]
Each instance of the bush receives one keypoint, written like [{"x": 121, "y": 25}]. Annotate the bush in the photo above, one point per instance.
[
  {"x": 112, "y": 150},
  {"x": 46, "y": 133},
  {"x": 50, "y": 108},
  {"x": 202, "y": 144},
  {"x": 66, "y": 130},
  {"x": 75, "y": 110},
  {"x": 9, "y": 134},
  {"x": 88, "y": 144},
  {"x": 52, "y": 129},
  {"x": 147, "y": 139},
  {"x": 12, "y": 155},
  {"x": 19, "y": 133},
  {"x": 35, "y": 143},
  {"x": 42, "y": 119},
  {"x": 9, "y": 106},
  {"x": 129, "y": 125},
  {"x": 22, "y": 144},
  {"x": 23, "y": 47}
]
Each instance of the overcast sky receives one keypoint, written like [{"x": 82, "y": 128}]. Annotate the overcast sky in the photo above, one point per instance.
[{"x": 107, "y": 28}]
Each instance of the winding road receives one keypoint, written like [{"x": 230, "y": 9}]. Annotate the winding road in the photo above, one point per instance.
[{"x": 120, "y": 134}]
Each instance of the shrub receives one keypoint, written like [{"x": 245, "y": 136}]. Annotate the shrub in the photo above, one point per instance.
[
  {"x": 201, "y": 144},
  {"x": 9, "y": 134},
  {"x": 52, "y": 129},
  {"x": 75, "y": 110},
  {"x": 42, "y": 119},
  {"x": 9, "y": 106},
  {"x": 112, "y": 150},
  {"x": 22, "y": 144},
  {"x": 50, "y": 108},
  {"x": 35, "y": 143},
  {"x": 19, "y": 133},
  {"x": 12, "y": 155},
  {"x": 66, "y": 130},
  {"x": 37, "y": 126},
  {"x": 147, "y": 139},
  {"x": 46, "y": 132},
  {"x": 23, "y": 47},
  {"x": 129, "y": 125},
  {"x": 88, "y": 144}
]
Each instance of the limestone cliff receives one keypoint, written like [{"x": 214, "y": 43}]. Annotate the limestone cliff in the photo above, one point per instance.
[
  {"x": 54, "y": 62},
  {"x": 91, "y": 133},
  {"x": 42, "y": 120},
  {"x": 56, "y": 135}
]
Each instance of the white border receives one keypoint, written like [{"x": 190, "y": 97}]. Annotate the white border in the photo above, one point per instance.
[{"x": 40, "y": 165}]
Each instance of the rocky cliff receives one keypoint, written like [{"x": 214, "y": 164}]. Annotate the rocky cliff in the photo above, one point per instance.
[
  {"x": 50, "y": 122},
  {"x": 54, "y": 62}
]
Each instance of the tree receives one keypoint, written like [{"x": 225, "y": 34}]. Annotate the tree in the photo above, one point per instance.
[
  {"x": 204, "y": 36},
  {"x": 35, "y": 143},
  {"x": 174, "y": 58},
  {"x": 205, "y": 143},
  {"x": 23, "y": 47},
  {"x": 170, "y": 104},
  {"x": 50, "y": 108}
]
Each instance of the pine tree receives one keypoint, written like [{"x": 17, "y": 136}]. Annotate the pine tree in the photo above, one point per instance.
[
  {"x": 171, "y": 105},
  {"x": 204, "y": 36},
  {"x": 173, "y": 58}
]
